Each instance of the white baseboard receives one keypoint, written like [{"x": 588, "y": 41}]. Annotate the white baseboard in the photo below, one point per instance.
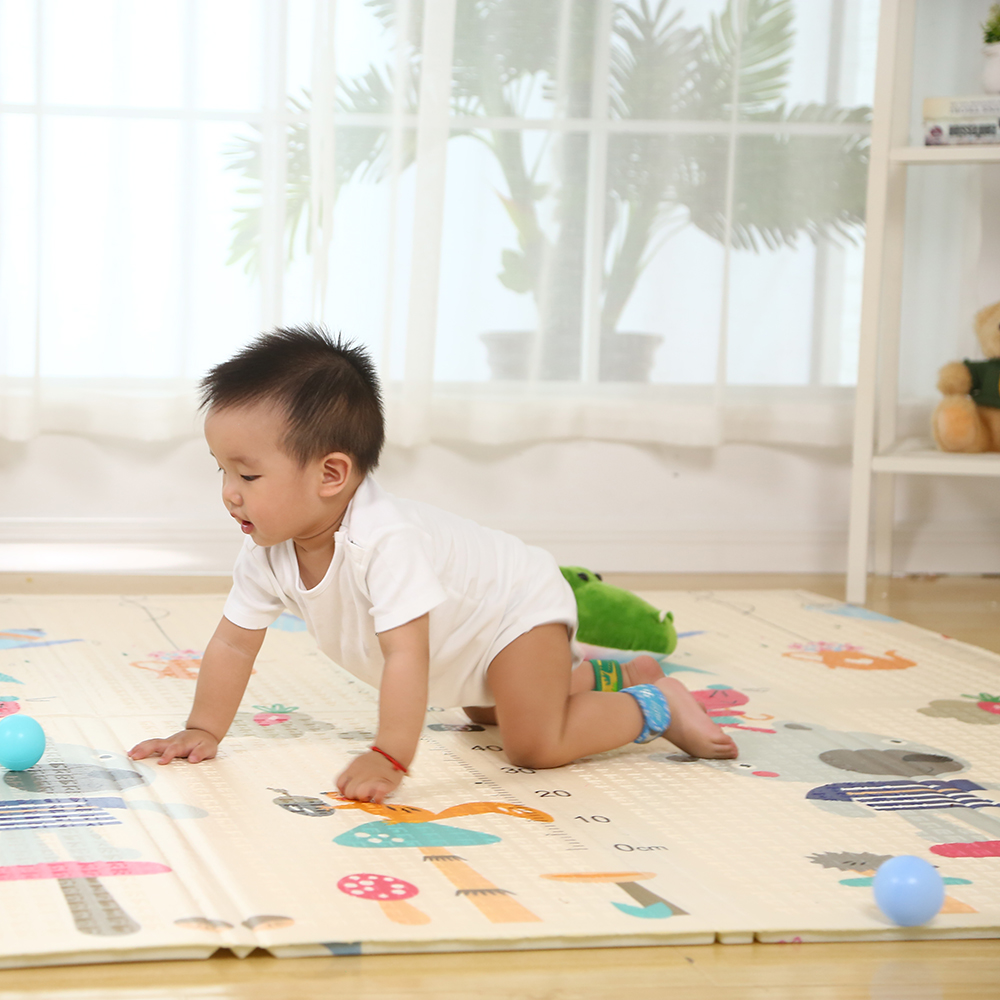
[
  {"x": 141, "y": 546},
  {"x": 917, "y": 549},
  {"x": 163, "y": 546}
]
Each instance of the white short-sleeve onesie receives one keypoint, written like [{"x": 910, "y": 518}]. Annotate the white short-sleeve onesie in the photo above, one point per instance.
[{"x": 394, "y": 561}]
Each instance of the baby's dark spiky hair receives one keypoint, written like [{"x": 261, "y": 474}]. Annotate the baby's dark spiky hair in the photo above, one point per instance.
[{"x": 327, "y": 388}]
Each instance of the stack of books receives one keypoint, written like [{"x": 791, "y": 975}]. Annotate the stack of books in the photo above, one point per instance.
[{"x": 955, "y": 121}]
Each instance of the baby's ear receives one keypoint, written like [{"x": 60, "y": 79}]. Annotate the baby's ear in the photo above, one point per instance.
[{"x": 337, "y": 469}]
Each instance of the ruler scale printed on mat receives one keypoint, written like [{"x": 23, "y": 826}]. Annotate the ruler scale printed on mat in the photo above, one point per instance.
[{"x": 860, "y": 738}]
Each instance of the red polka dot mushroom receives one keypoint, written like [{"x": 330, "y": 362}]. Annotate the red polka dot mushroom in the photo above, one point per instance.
[{"x": 389, "y": 892}]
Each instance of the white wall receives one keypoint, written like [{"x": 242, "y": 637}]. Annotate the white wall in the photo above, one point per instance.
[{"x": 73, "y": 504}]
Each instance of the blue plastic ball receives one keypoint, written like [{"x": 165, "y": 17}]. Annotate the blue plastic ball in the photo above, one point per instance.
[
  {"x": 908, "y": 890},
  {"x": 22, "y": 742}
]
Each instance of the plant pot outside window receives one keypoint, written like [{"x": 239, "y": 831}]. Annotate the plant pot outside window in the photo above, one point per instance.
[
  {"x": 625, "y": 357},
  {"x": 508, "y": 353}
]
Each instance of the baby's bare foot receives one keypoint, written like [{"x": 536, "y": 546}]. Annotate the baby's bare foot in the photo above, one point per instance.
[
  {"x": 641, "y": 670},
  {"x": 691, "y": 729}
]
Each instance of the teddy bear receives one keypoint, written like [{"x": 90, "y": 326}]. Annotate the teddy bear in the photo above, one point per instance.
[{"x": 968, "y": 418}]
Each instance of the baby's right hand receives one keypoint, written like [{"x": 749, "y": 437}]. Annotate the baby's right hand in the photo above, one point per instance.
[{"x": 195, "y": 744}]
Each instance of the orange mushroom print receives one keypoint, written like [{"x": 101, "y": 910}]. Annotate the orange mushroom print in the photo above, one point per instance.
[
  {"x": 390, "y": 893},
  {"x": 391, "y": 812},
  {"x": 412, "y": 827},
  {"x": 500, "y": 808},
  {"x": 842, "y": 654},
  {"x": 651, "y": 906}
]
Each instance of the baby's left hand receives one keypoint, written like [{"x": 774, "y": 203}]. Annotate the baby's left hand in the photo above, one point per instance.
[{"x": 369, "y": 778}]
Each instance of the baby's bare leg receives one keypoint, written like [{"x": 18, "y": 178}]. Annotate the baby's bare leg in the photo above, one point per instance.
[
  {"x": 543, "y": 721},
  {"x": 641, "y": 670}
]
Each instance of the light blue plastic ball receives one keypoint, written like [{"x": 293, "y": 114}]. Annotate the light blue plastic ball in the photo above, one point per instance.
[
  {"x": 22, "y": 742},
  {"x": 908, "y": 890}
]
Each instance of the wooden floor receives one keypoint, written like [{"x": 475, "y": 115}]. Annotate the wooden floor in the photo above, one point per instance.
[{"x": 966, "y": 608}]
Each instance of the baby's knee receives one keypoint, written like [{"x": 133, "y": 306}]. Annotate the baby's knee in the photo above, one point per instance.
[{"x": 537, "y": 756}]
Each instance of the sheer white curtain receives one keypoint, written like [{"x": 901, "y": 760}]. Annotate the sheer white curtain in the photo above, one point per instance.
[{"x": 635, "y": 220}]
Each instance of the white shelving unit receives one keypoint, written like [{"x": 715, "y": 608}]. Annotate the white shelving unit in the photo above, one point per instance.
[{"x": 879, "y": 455}]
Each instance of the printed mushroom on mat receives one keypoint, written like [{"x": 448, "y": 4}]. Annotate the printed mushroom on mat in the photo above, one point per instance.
[
  {"x": 408, "y": 826},
  {"x": 652, "y": 907},
  {"x": 390, "y": 893}
]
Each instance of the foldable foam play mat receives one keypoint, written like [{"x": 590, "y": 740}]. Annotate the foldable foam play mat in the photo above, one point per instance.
[{"x": 860, "y": 738}]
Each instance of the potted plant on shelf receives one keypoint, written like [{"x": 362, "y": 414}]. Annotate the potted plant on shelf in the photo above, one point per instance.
[
  {"x": 735, "y": 67},
  {"x": 991, "y": 50}
]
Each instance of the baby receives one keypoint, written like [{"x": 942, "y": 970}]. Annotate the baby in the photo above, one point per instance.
[{"x": 428, "y": 607}]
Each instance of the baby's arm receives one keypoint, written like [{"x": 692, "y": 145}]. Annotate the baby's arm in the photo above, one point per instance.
[
  {"x": 222, "y": 679},
  {"x": 402, "y": 708}
]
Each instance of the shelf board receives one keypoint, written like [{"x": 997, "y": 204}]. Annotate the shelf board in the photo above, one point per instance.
[
  {"x": 920, "y": 458},
  {"x": 945, "y": 154}
]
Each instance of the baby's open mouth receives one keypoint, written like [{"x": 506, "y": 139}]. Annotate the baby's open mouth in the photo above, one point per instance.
[{"x": 245, "y": 526}]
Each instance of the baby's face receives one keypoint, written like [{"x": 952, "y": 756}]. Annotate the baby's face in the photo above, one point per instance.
[{"x": 264, "y": 489}]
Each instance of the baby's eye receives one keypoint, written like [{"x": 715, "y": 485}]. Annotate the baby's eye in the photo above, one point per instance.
[{"x": 249, "y": 479}]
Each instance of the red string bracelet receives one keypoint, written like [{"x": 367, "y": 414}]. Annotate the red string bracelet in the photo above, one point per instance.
[{"x": 392, "y": 760}]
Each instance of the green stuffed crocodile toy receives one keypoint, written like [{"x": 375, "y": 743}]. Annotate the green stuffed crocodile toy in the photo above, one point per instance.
[{"x": 610, "y": 616}]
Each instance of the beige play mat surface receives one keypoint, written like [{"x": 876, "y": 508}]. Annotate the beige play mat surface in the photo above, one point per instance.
[{"x": 861, "y": 738}]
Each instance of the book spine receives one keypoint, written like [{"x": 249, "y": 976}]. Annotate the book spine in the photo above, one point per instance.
[
  {"x": 955, "y": 108},
  {"x": 971, "y": 132}
]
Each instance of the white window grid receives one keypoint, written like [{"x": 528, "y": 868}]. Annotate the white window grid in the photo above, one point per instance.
[{"x": 273, "y": 119}]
